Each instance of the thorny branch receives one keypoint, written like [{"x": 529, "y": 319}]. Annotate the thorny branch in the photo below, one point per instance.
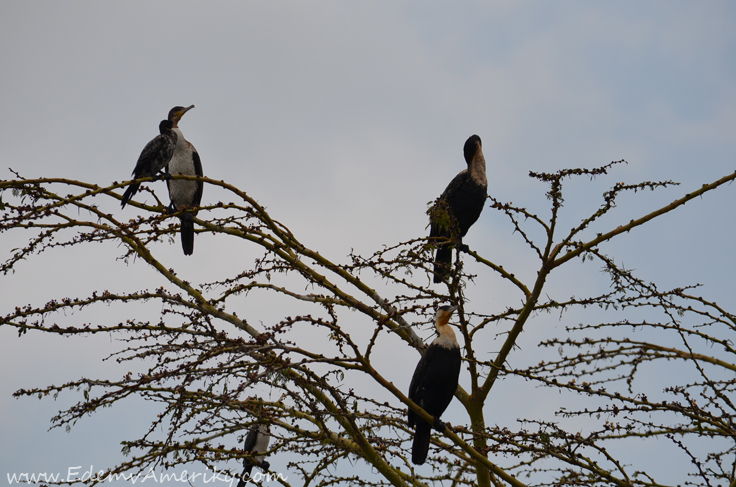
[{"x": 203, "y": 363}]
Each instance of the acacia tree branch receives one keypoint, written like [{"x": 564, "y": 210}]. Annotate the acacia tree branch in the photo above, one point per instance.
[
  {"x": 338, "y": 422},
  {"x": 580, "y": 248}
]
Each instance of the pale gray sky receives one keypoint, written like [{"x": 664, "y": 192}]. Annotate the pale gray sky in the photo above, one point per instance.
[{"x": 345, "y": 119}]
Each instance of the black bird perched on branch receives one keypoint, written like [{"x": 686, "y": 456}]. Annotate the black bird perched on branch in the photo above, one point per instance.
[
  {"x": 256, "y": 443},
  {"x": 434, "y": 383},
  {"x": 184, "y": 194},
  {"x": 459, "y": 206},
  {"x": 154, "y": 157}
]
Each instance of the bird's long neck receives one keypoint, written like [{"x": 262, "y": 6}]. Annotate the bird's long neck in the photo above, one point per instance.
[
  {"x": 477, "y": 169},
  {"x": 446, "y": 336},
  {"x": 181, "y": 142},
  {"x": 169, "y": 132}
]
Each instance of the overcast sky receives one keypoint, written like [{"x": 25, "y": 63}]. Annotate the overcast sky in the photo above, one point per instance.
[{"x": 345, "y": 119}]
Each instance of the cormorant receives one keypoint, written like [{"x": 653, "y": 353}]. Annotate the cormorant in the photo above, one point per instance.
[
  {"x": 459, "y": 206},
  {"x": 434, "y": 383},
  {"x": 184, "y": 194},
  {"x": 256, "y": 442},
  {"x": 154, "y": 157}
]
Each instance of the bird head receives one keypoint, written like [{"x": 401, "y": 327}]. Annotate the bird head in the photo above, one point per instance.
[
  {"x": 471, "y": 148},
  {"x": 443, "y": 315},
  {"x": 165, "y": 125},
  {"x": 176, "y": 113}
]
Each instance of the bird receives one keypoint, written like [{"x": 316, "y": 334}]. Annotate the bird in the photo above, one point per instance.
[
  {"x": 154, "y": 157},
  {"x": 434, "y": 383},
  {"x": 256, "y": 443},
  {"x": 459, "y": 206},
  {"x": 183, "y": 193}
]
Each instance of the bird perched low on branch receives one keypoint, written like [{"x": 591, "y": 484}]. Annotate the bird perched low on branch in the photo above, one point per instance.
[
  {"x": 184, "y": 194},
  {"x": 153, "y": 159},
  {"x": 256, "y": 443},
  {"x": 434, "y": 383},
  {"x": 458, "y": 207}
]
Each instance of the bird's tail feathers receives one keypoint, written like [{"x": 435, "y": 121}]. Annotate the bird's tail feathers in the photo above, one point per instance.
[
  {"x": 129, "y": 193},
  {"x": 442, "y": 262},
  {"x": 187, "y": 233},
  {"x": 420, "y": 447},
  {"x": 245, "y": 476}
]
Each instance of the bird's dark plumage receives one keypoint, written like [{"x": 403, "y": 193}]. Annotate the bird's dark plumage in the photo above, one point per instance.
[
  {"x": 256, "y": 443},
  {"x": 154, "y": 157},
  {"x": 459, "y": 206},
  {"x": 184, "y": 194},
  {"x": 434, "y": 382}
]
